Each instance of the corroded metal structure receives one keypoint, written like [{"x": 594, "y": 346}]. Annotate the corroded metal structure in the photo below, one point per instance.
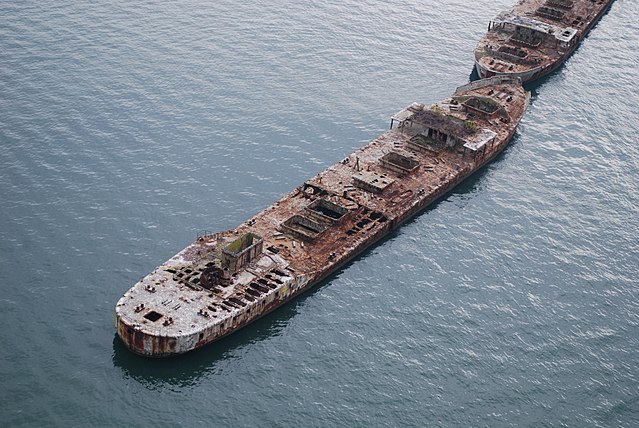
[
  {"x": 536, "y": 37},
  {"x": 224, "y": 281}
]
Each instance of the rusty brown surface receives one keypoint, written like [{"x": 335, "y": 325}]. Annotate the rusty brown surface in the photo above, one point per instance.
[
  {"x": 191, "y": 300},
  {"x": 500, "y": 52}
]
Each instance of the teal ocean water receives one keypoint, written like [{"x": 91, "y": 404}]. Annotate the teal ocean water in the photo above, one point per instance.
[{"x": 127, "y": 128}]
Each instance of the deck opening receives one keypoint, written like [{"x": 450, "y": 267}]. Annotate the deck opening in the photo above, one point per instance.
[
  {"x": 237, "y": 301},
  {"x": 267, "y": 283},
  {"x": 527, "y": 37},
  {"x": 512, "y": 53},
  {"x": 376, "y": 216},
  {"x": 303, "y": 227},
  {"x": 564, "y": 4},
  {"x": 550, "y": 13},
  {"x": 361, "y": 224},
  {"x": 277, "y": 281},
  {"x": 252, "y": 292},
  {"x": 258, "y": 287},
  {"x": 153, "y": 316},
  {"x": 326, "y": 210},
  {"x": 483, "y": 106},
  {"x": 231, "y": 304},
  {"x": 273, "y": 250},
  {"x": 213, "y": 276}
]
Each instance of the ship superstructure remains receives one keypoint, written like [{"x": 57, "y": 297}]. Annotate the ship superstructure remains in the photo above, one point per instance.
[
  {"x": 535, "y": 37},
  {"x": 224, "y": 281}
]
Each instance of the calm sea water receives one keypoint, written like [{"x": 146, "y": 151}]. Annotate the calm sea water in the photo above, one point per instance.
[{"x": 127, "y": 128}]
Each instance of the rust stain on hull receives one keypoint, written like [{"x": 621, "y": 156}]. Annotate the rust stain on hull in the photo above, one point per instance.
[{"x": 224, "y": 281}]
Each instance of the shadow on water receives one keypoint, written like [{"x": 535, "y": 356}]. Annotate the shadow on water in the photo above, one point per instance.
[{"x": 473, "y": 75}]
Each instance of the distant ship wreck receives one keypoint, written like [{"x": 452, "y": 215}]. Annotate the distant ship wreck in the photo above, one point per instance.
[
  {"x": 224, "y": 281},
  {"x": 535, "y": 37}
]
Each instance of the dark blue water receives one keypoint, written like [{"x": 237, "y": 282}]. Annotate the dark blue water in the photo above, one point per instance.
[{"x": 127, "y": 128}]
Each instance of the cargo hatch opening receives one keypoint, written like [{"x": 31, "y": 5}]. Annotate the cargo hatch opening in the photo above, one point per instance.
[
  {"x": 484, "y": 107},
  {"x": 302, "y": 227},
  {"x": 153, "y": 316},
  {"x": 325, "y": 210},
  {"x": 564, "y": 4},
  {"x": 550, "y": 13}
]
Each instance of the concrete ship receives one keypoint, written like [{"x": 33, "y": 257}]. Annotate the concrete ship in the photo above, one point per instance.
[
  {"x": 224, "y": 281},
  {"x": 535, "y": 37}
]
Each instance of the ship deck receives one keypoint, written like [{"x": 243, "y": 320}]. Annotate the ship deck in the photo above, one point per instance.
[{"x": 320, "y": 225}]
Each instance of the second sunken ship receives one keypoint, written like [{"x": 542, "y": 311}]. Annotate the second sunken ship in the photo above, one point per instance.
[{"x": 535, "y": 37}]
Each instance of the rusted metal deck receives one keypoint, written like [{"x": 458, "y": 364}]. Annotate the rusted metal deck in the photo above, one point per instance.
[
  {"x": 535, "y": 37},
  {"x": 224, "y": 281}
]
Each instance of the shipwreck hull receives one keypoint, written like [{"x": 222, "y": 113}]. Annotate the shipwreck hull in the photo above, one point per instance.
[{"x": 225, "y": 281}]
